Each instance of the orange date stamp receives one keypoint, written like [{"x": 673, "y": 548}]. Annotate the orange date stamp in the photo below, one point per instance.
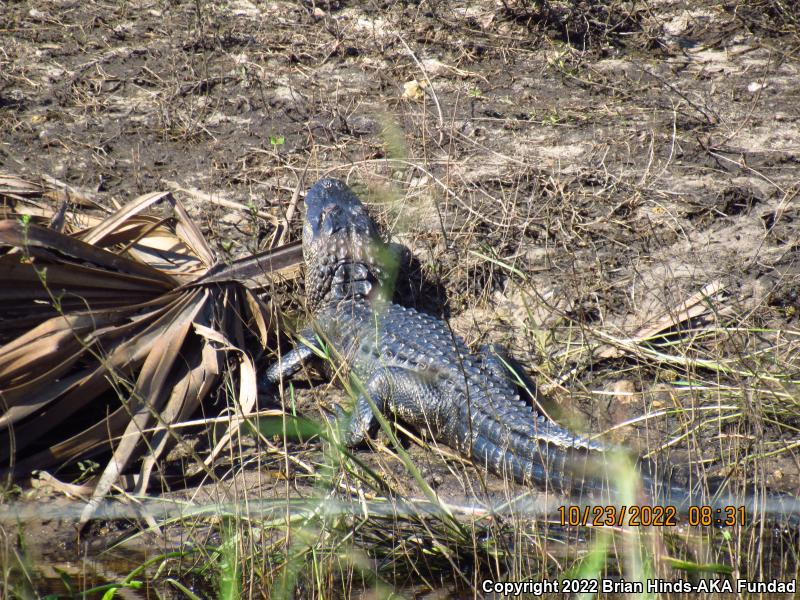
[
  {"x": 633, "y": 515},
  {"x": 636, "y": 515}
]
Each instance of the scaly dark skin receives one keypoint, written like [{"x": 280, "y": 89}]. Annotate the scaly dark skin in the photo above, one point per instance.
[{"x": 411, "y": 366}]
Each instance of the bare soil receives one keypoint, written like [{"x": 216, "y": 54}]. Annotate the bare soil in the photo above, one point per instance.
[{"x": 566, "y": 175}]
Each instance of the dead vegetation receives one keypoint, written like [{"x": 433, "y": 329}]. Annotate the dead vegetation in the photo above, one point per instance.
[
  {"x": 112, "y": 327},
  {"x": 609, "y": 188}
]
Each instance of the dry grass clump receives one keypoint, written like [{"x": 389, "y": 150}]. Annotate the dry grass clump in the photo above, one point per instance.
[
  {"x": 772, "y": 17},
  {"x": 583, "y": 24}
]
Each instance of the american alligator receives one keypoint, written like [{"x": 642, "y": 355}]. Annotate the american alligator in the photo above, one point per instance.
[{"x": 410, "y": 365}]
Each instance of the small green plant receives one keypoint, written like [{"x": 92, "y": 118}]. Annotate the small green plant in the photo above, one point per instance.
[{"x": 87, "y": 469}]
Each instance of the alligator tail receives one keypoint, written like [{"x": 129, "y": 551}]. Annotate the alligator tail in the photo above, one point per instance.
[{"x": 607, "y": 477}]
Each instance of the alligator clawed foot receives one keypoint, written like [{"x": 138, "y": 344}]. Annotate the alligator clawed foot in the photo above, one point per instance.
[{"x": 340, "y": 421}]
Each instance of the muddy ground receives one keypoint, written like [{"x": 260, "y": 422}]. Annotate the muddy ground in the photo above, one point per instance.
[{"x": 567, "y": 176}]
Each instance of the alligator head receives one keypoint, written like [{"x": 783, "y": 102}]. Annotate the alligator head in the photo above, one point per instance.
[{"x": 345, "y": 255}]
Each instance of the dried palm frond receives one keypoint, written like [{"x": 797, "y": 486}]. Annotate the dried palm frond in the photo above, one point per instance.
[{"x": 117, "y": 329}]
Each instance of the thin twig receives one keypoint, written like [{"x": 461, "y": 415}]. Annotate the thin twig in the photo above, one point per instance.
[
  {"x": 430, "y": 86},
  {"x": 280, "y": 232},
  {"x": 204, "y": 197}
]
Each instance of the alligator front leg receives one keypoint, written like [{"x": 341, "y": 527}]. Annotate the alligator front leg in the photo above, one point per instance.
[
  {"x": 291, "y": 362},
  {"x": 397, "y": 389}
]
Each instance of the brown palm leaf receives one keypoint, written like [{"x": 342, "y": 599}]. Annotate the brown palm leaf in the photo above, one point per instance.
[{"x": 118, "y": 329}]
